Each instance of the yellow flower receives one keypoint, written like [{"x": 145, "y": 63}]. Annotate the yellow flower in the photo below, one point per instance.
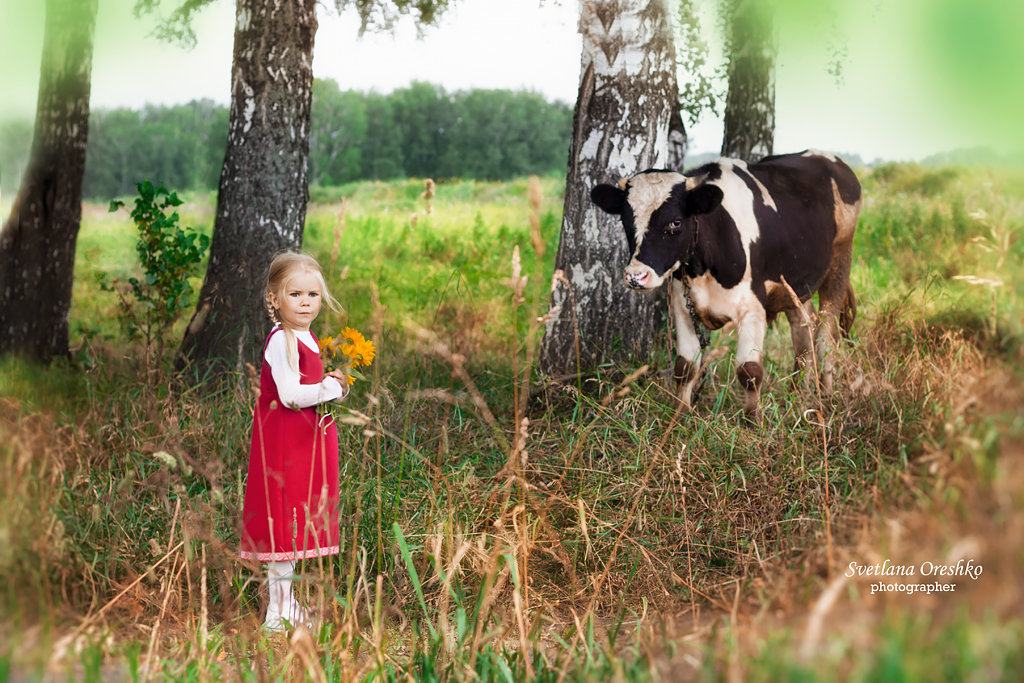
[
  {"x": 355, "y": 350},
  {"x": 358, "y": 348}
]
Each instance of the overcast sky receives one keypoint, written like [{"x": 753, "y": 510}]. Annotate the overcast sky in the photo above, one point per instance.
[{"x": 887, "y": 103}]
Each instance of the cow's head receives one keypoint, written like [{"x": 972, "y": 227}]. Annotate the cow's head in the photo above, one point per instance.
[{"x": 659, "y": 211}]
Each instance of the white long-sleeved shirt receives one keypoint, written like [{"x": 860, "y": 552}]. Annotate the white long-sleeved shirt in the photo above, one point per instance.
[{"x": 292, "y": 392}]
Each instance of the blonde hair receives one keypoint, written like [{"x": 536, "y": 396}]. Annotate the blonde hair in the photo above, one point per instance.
[{"x": 282, "y": 269}]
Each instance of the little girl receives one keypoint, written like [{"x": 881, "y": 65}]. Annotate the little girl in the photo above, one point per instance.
[{"x": 291, "y": 494}]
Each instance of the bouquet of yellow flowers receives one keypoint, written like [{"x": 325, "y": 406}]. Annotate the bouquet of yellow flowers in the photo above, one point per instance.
[{"x": 354, "y": 350}]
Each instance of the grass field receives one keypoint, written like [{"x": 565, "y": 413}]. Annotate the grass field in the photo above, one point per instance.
[{"x": 604, "y": 538}]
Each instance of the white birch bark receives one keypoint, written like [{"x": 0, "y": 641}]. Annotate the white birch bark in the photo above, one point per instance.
[
  {"x": 626, "y": 98},
  {"x": 261, "y": 204}
]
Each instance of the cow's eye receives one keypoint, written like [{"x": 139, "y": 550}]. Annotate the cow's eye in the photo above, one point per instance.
[{"x": 674, "y": 227}]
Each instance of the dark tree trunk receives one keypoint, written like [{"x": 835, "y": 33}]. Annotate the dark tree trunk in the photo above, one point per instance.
[
  {"x": 624, "y": 107},
  {"x": 750, "y": 105},
  {"x": 261, "y": 205},
  {"x": 37, "y": 243}
]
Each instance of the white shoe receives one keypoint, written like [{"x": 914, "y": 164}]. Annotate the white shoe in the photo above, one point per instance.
[
  {"x": 296, "y": 616},
  {"x": 284, "y": 610},
  {"x": 275, "y": 624}
]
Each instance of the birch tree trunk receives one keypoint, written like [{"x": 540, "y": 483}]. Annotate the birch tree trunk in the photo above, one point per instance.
[
  {"x": 749, "y": 130},
  {"x": 261, "y": 204},
  {"x": 37, "y": 243},
  {"x": 621, "y": 125}
]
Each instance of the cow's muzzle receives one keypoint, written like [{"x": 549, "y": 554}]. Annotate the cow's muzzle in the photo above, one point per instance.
[{"x": 639, "y": 279}]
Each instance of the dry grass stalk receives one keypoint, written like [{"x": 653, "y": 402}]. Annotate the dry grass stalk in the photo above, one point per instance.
[
  {"x": 820, "y": 411},
  {"x": 493, "y": 586},
  {"x": 302, "y": 644},
  {"x": 603, "y": 577},
  {"x": 378, "y": 625},
  {"x": 204, "y": 620},
  {"x": 435, "y": 394},
  {"x": 520, "y": 609},
  {"x": 428, "y": 195},
  {"x": 622, "y": 389},
  {"x": 824, "y": 604},
  {"x": 151, "y": 652},
  {"x": 66, "y": 641},
  {"x": 583, "y": 529},
  {"x": 433, "y": 345}
]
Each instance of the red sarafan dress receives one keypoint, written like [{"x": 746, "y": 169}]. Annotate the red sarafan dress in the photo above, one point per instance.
[{"x": 291, "y": 494}]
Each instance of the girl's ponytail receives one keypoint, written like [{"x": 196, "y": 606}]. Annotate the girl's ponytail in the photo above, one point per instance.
[
  {"x": 291, "y": 342},
  {"x": 271, "y": 311}
]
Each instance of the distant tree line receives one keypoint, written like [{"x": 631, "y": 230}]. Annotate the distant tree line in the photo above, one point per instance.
[
  {"x": 424, "y": 131},
  {"x": 181, "y": 146},
  {"x": 15, "y": 143},
  {"x": 418, "y": 131}
]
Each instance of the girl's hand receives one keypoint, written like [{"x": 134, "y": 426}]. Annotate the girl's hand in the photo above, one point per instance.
[{"x": 341, "y": 377}]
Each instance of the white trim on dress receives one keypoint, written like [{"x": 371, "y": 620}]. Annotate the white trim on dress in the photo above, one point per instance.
[{"x": 292, "y": 555}]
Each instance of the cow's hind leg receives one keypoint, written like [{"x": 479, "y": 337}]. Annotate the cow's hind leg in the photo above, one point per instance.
[
  {"x": 833, "y": 304},
  {"x": 826, "y": 337},
  {"x": 686, "y": 372},
  {"x": 837, "y": 305},
  {"x": 849, "y": 312},
  {"x": 801, "y": 324}
]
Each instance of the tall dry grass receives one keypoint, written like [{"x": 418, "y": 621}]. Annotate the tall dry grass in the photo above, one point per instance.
[{"x": 491, "y": 527}]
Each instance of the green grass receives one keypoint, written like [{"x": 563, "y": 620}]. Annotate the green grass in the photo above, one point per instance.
[
  {"x": 620, "y": 541},
  {"x": 950, "y": 240},
  {"x": 903, "y": 646},
  {"x": 462, "y": 252}
]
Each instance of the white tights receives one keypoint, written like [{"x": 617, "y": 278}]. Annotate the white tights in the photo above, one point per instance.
[{"x": 283, "y": 605}]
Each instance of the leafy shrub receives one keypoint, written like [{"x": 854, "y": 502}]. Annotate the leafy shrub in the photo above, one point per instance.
[{"x": 169, "y": 255}]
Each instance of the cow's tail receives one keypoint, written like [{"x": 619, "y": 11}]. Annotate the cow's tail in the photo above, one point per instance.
[{"x": 849, "y": 311}]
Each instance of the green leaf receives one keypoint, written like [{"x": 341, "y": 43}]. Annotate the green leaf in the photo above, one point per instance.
[{"x": 413, "y": 575}]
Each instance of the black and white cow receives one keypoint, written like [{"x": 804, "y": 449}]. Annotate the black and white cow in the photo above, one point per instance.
[{"x": 734, "y": 235}]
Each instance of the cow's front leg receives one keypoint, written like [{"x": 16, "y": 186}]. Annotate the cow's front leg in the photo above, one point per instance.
[
  {"x": 686, "y": 372},
  {"x": 751, "y": 328}
]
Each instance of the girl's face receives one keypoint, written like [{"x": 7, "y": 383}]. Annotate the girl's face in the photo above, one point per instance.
[{"x": 299, "y": 302}]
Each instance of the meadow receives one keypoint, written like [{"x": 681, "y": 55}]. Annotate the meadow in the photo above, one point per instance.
[{"x": 498, "y": 527}]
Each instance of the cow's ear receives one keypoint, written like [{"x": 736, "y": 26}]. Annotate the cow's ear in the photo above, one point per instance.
[
  {"x": 702, "y": 199},
  {"x": 610, "y": 198}
]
